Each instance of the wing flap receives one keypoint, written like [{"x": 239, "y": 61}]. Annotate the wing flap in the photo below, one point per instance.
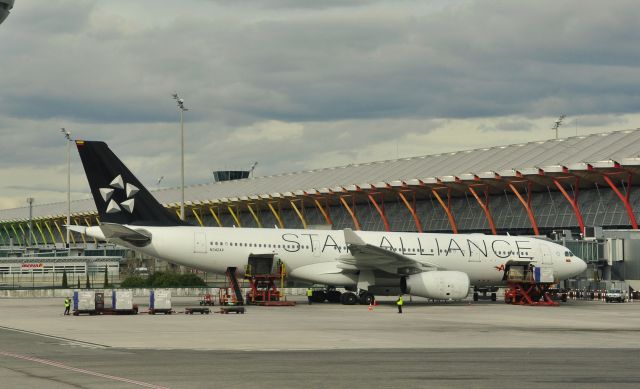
[{"x": 367, "y": 256}]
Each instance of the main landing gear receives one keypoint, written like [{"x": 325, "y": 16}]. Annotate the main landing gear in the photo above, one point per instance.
[
  {"x": 485, "y": 293},
  {"x": 367, "y": 298},
  {"x": 331, "y": 295},
  {"x": 348, "y": 298}
]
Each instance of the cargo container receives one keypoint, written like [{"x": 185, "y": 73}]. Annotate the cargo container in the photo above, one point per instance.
[
  {"x": 160, "y": 301},
  {"x": 84, "y": 301},
  {"x": 122, "y": 301}
]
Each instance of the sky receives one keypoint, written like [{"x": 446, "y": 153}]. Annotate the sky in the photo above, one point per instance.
[{"x": 300, "y": 84}]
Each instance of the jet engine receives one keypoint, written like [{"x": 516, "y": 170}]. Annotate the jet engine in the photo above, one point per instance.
[{"x": 439, "y": 285}]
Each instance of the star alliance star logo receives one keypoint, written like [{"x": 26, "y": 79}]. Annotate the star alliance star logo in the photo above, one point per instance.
[{"x": 130, "y": 191}]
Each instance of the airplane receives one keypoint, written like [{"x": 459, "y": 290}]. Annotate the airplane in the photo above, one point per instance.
[{"x": 365, "y": 263}]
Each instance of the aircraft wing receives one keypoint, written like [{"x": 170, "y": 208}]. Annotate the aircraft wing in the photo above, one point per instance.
[
  {"x": 368, "y": 256},
  {"x": 118, "y": 231}
]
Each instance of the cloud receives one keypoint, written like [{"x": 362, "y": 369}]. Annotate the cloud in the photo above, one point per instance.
[
  {"x": 303, "y": 84},
  {"x": 271, "y": 131}
]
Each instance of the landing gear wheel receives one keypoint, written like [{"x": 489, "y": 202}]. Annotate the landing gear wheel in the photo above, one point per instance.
[
  {"x": 333, "y": 296},
  {"x": 494, "y": 297},
  {"x": 318, "y": 296},
  {"x": 475, "y": 296},
  {"x": 348, "y": 298},
  {"x": 367, "y": 298}
]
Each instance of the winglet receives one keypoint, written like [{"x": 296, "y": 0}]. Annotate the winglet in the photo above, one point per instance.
[{"x": 351, "y": 237}]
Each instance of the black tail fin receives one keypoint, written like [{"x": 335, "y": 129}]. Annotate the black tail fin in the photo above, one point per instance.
[{"x": 119, "y": 196}]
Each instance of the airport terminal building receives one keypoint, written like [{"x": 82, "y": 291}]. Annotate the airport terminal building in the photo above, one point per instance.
[{"x": 578, "y": 190}]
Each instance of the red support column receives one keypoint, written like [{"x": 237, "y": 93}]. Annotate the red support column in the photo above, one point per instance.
[
  {"x": 324, "y": 212},
  {"x": 527, "y": 206},
  {"x": 412, "y": 209},
  {"x": 447, "y": 209},
  {"x": 485, "y": 207},
  {"x": 380, "y": 211},
  {"x": 356, "y": 223},
  {"x": 623, "y": 198},
  {"x": 572, "y": 200}
]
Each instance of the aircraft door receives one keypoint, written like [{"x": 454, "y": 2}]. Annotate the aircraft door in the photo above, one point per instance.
[
  {"x": 475, "y": 248},
  {"x": 546, "y": 255},
  {"x": 199, "y": 242},
  {"x": 315, "y": 244}
]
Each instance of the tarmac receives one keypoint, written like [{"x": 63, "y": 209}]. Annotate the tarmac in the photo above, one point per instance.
[{"x": 579, "y": 344}]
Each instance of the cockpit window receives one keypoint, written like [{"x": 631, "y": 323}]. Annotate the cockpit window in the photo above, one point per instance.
[{"x": 568, "y": 254}]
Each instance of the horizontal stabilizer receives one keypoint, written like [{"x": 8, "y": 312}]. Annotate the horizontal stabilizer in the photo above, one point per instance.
[
  {"x": 78, "y": 229},
  {"x": 118, "y": 231}
]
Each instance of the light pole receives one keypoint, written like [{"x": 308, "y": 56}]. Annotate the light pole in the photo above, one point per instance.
[
  {"x": 558, "y": 123},
  {"x": 30, "y": 202},
  {"x": 182, "y": 109},
  {"x": 67, "y": 135}
]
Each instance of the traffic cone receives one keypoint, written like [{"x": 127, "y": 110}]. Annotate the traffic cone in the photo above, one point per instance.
[{"x": 370, "y": 307}]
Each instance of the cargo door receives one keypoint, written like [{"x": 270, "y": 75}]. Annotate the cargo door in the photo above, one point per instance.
[
  {"x": 199, "y": 242},
  {"x": 260, "y": 264}
]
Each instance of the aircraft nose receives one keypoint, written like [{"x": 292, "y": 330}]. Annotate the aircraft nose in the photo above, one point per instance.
[{"x": 581, "y": 265}]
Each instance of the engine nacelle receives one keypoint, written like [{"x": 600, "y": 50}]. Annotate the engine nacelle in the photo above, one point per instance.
[{"x": 439, "y": 285}]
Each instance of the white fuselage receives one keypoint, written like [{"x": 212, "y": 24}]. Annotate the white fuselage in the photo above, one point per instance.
[{"x": 314, "y": 255}]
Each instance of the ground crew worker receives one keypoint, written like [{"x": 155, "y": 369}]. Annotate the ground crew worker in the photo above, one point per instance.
[
  {"x": 67, "y": 305},
  {"x": 309, "y": 295},
  {"x": 399, "y": 303}
]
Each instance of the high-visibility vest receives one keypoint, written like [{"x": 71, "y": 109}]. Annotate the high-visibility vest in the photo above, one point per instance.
[
  {"x": 309, "y": 292},
  {"x": 67, "y": 303},
  {"x": 399, "y": 301}
]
